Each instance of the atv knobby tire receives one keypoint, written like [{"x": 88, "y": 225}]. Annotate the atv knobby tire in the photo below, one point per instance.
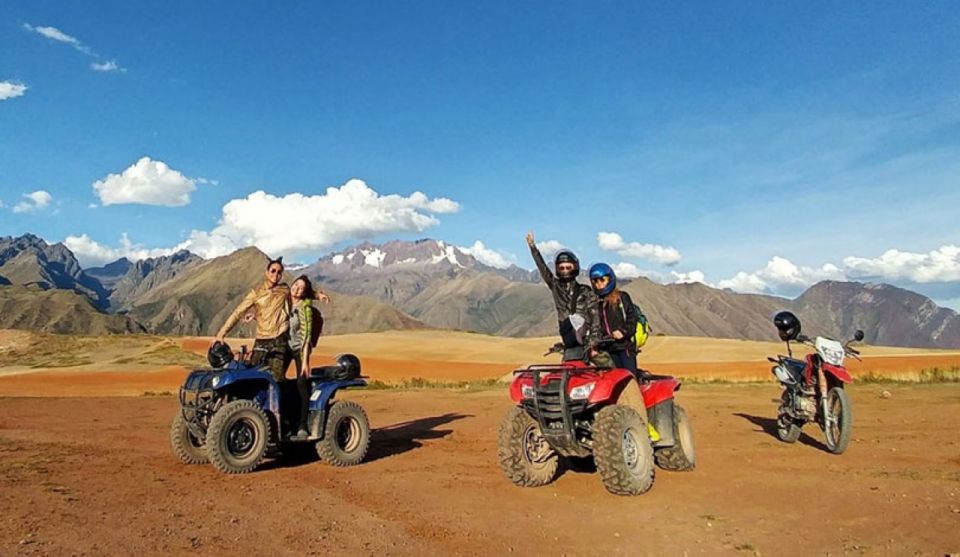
[
  {"x": 346, "y": 436},
  {"x": 622, "y": 450},
  {"x": 519, "y": 438},
  {"x": 681, "y": 457},
  {"x": 186, "y": 446},
  {"x": 237, "y": 437}
]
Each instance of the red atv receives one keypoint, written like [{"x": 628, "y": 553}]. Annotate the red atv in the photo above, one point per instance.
[{"x": 574, "y": 409}]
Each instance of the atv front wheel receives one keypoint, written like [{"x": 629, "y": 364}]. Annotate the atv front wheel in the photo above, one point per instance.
[
  {"x": 346, "y": 436},
  {"x": 622, "y": 450},
  {"x": 237, "y": 437},
  {"x": 681, "y": 457},
  {"x": 188, "y": 448},
  {"x": 524, "y": 454}
]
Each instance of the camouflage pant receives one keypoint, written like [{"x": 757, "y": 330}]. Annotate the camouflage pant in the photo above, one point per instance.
[{"x": 274, "y": 354}]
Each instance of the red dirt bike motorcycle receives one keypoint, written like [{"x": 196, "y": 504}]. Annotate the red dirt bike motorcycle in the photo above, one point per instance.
[
  {"x": 813, "y": 387},
  {"x": 574, "y": 409}
]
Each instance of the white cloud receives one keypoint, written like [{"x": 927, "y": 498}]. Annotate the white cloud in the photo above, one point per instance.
[
  {"x": 626, "y": 270},
  {"x": 108, "y": 66},
  {"x": 550, "y": 247},
  {"x": 692, "y": 276},
  {"x": 611, "y": 241},
  {"x": 487, "y": 256},
  {"x": 35, "y": 201},
  {"x": 781, "y": 275},
  {"x": 57, "y": 35},
  {"x": 299, "y": 223},
  {"x": 940, "y": 265},
  {"x": 11, "y": 90},
  {"x": 90, "y": 253},
  {"x": 147, "y": 182}
]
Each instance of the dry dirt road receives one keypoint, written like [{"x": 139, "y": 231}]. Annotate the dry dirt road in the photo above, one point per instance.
[{"x": 95, "y": 476}]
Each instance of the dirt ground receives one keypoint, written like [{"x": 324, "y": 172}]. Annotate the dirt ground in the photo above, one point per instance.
[{"x": 95, "y": 476}]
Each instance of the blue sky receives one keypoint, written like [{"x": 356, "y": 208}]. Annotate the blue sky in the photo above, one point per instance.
[{"x": 769, "y": 144}]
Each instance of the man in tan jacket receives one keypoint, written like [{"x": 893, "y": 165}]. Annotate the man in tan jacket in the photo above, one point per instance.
[{"x": 270, "y": 302}]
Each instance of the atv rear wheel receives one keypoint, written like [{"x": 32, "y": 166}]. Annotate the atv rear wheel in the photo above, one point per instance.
[
  {"x": 525, "y": 456},
  {"x": 622, "y": 450},
  {"x": 346, "y": 436},
  {"x": 188, "y": 448},
  {"x": 681, "y": 457},
  {"x": 237, "y": 437}
]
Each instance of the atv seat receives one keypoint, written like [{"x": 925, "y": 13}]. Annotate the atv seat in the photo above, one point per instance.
[{"x": 324, "y": 372}]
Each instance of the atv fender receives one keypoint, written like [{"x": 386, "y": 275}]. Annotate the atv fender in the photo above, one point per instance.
[
  {"x": 619, "y": 386},
  {"x": 321, "y": 396}
]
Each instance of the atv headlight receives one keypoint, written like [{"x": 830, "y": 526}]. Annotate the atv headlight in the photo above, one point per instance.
[
  {"x": 582, "y": 392},
  {"x": 216, "y": 381},
  {"x": 526, "y": 391}
]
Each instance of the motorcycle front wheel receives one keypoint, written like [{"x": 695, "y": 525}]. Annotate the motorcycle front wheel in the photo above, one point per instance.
[{"x": 838, "y": 420}]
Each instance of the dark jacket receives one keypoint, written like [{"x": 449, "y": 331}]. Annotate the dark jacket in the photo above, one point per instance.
[
  {"x": 621, "y": 317},
  {"x": 571, "y": 298}
]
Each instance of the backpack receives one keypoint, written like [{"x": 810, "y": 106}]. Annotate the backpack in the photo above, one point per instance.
[
  {"x": 316, "y": 325},
  {"x": 643, "y": 325}
]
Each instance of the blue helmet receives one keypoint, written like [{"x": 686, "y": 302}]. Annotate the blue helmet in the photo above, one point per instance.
[{"x": 598, "y": 270}]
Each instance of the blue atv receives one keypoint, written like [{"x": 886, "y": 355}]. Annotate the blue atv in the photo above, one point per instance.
[{"x": 234, "y": 414}]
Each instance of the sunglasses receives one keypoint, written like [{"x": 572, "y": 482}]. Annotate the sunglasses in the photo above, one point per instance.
[
  {"x": 275, "y": 271},
  {"x": 599, "y": 279}
]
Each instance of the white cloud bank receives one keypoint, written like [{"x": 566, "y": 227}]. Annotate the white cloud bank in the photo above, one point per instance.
[
  {"x": 11, "y": 90},
  {"x": 940, "y": 265},
  {"x": 91, "y": 253},
  {"x": 147, "y": 182},
  {"x": 781, "y": 275},
  {"x": 300, "y": 223},
  {"x": 611, "y": 241},
  {"x": 35, "y": 201},
  {"x": 487, "y": 256},
  {"x": 549, "y": 247}
]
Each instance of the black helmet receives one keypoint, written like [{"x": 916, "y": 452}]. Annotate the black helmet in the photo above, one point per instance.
[
  {"x": 219, "y": 354},
  {"x": 566, "y": 256},
  {"x": 787, "y": 324},
  {"x": 349, "y": 367}
]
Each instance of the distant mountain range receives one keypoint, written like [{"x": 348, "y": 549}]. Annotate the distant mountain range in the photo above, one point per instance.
[{"x": 426, "y": 283}]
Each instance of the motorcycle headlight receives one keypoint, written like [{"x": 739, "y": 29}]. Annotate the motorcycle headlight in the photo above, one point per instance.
[
  {"x": 526, "y": 391},
  {"x": 216, "y": 381},
  {"x": 832, "y": 356},
  {"x": 582, "y": 392}
]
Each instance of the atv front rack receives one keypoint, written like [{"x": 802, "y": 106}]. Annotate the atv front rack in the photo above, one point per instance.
[
  {"x": 553, "y": 409},
  {"x": 198, "y": 402}
]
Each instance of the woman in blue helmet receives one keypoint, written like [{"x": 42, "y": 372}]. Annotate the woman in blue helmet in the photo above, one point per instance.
[{"x": 618, "y": 317}]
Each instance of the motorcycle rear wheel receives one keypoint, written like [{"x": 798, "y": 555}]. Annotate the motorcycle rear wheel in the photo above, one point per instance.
[{"x": 788, "y": 430}]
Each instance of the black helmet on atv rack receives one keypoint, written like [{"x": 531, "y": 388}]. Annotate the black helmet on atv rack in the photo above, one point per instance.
[
  {"x": 219, "y": 355},
  {"x": 566, "y": 256},
  {"x": 788, "y": 326},
  {"x": 348, "y": 367}
]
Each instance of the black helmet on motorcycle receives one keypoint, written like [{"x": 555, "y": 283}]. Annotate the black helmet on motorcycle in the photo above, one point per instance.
[
  {"x": 219, "y": 355},
  {"x": 566, "y": 256},
  {"x": 787, "y": 324}
]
